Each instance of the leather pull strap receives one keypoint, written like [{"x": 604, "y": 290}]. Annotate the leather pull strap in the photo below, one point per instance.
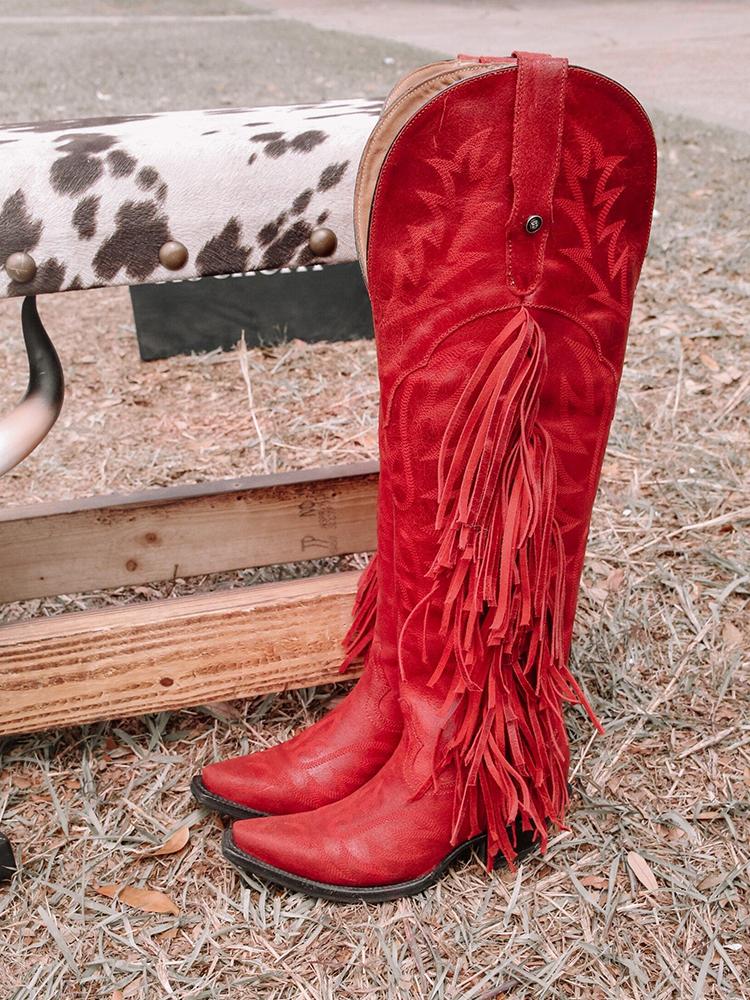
[{"x": 535, "y": 163}]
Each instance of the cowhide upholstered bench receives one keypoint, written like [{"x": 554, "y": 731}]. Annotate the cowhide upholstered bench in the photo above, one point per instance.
[
  {"x": 148, "y": 198},
  {"x": 160, "y": 198}
]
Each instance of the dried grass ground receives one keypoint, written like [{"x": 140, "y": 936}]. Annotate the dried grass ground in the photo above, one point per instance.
[{"x": 646, "y": 896}]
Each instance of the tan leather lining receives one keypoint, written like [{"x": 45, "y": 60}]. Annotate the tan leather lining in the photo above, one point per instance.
[
  {"x": 404, "y": 101},
  {"x": 417, "y": 76}
]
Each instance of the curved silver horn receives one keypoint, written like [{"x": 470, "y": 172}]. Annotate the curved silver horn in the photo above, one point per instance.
[{"x": 22, "y": 429}]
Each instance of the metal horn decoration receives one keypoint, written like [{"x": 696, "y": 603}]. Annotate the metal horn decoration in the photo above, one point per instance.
[
  {"x": 21, "y": 430},
  {"x": 28, "y": 424}
]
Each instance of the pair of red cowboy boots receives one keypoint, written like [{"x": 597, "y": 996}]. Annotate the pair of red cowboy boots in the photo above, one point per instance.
[{"x": 502, "y": 213}]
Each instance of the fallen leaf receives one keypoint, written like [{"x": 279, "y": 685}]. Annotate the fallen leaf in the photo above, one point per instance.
[
  {"x": 726, "y": 712},
  {"x": 642, "y": 871},
  {"x": 615, "y": 580},
  {"x": 118, "y": 995},
  {"x": 731, "y": 635},
  {"x": 171, "y": 846},
  {"x": 594, "y": 882},
  {"x": 597, "y": 594},
  {"x": 168, "y": 935},
  {"x": 135, "y": 987},
  {"x": 711, "y": 881},
  {"x": 693, "y": 388},
  {"x": 729, "y": 375},
  {"x": 711, "y": 363},
  {"x": 147, "y": 900},
  {"x": 224, "y": 711},
  {"x": 683, "y": 827}
]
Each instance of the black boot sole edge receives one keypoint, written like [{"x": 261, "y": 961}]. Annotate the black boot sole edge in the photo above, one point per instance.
[
  {"x": 359, "y": 894},
  {"x": 218, "y": 804}
]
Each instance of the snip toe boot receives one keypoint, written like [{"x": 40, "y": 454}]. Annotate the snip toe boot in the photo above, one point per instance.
[
  {"x": 505, "y": 218},
  {"x": 343, "y": 750},
  {"x": 329, "y": 759}
]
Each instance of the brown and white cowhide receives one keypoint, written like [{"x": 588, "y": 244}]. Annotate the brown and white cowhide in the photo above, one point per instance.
[{"x": 94, "y": 200}]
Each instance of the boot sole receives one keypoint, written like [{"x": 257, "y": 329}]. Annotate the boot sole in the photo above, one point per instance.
[
  {"x": 358, "y": 894},
  {"x": 216, "y": 803}
]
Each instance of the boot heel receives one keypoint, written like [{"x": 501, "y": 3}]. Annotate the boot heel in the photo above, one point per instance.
[
  {"x": 499, "y": 864},
  {"x": 525, "y": 846}
]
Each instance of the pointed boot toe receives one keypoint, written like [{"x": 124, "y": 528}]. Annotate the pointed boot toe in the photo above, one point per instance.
[
  {"x": 324, "y": 763},
  {"x": 295, "y": 852},
  {"x": 221, "y": 788}
]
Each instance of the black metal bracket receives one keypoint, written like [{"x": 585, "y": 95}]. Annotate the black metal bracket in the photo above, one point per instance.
[
  {"x": 28, "y": 424},
  {"x": 21, "y": 431}
]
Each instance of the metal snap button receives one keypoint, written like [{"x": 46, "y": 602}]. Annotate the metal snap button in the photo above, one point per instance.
[{"x": 533, "y": 224}]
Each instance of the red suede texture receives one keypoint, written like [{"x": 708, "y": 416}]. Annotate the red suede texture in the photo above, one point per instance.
[
  {"x": 539, "y": 115},
  {"x": 438, "y": 275}
]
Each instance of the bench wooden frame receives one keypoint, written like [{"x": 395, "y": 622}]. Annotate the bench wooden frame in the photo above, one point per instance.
[{"x": 86, "y": 666}]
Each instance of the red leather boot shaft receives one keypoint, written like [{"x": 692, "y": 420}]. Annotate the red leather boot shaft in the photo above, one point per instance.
[
  {"x": 452, "y": 259},
  {"x": 500, "y": 346},
  {"x": 438, "y": 271}
]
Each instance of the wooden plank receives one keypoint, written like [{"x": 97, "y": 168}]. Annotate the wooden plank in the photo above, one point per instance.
[
  {"x": 101, "y": 542},
  {"x": 161, "y": 655}
]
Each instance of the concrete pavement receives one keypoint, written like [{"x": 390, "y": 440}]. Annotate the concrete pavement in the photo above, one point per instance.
[
  {"x": 101, "y": 57},
  {"x": 681, "y": 56}
]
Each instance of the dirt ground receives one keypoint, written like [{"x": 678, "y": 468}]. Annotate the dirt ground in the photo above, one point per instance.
[{"x": 645, "y": 896}]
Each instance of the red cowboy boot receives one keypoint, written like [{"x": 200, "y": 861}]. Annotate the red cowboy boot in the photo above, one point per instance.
[
  {"x": 342, "y": 751},
  {"x": 329, "y": 759},
  {"x": 507, "y": 231}
]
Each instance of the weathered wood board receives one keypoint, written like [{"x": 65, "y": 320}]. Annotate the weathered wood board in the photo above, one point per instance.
[
  {"x": 105, "y": 542},
  {"x": 88, "y": 666}
]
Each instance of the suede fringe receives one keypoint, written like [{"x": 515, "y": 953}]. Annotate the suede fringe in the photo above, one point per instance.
[
  {"x": 500, "y": 579},
  {"x": 358, "y": 639}
]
